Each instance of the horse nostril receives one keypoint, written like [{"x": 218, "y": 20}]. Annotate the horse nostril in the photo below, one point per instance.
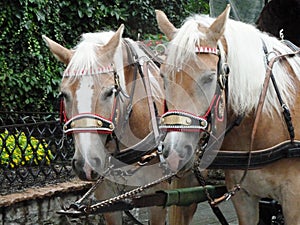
[
  {"x": 94, "y": 175},
  {"x": 165, "y": 152}
]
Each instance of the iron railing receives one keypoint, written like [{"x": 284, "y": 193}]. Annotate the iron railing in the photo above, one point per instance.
[{"x": 33, "y": 150}]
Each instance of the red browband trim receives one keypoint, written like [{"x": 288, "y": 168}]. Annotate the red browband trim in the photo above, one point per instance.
[{"x": 201, "y": 49}]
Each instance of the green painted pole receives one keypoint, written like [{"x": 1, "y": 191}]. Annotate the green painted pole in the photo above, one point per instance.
[{"x": 187, "y": 196}]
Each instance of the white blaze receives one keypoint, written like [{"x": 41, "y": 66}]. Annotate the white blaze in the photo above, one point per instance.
[{"x": 84, "y": 96}]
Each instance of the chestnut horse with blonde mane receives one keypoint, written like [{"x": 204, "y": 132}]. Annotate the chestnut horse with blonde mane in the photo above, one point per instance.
[
  {"x": 217, "y": 67},
  {"x": 107, "y": 100}
]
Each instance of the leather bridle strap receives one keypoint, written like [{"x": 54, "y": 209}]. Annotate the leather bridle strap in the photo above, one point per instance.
[{"x": 151, "y": 103}]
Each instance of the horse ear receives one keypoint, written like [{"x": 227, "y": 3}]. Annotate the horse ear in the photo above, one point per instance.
[
  {"x": 217, "y": 29},
  {"x": 165, "y": 25},
  {"x": 114, "y": 42},
  {"x": 61, "y": 53}
]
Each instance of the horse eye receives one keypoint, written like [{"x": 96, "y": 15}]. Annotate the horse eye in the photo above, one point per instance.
[
  {"x": 208, "y": 77},
  {"x": 109, "y": 92}
]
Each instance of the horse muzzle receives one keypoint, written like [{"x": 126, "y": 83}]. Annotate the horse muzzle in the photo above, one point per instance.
[
  {"x": 177, "y": 152},
  {"x": 84, "y": 171}
]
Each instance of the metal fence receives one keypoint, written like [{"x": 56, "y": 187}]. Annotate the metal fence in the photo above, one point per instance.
[{"x": 33, "y": 151}]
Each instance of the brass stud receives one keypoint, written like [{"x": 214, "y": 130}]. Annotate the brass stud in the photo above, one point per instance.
[
  {"x": 99, "y": 122},
  {"x": 162, "y": 120},
  {"x": 111, "y": 126},
  {"x": 202, "y": 123},
  {"x": 73, "y": 124},
  {"x": 188, "y": 121},
  {"x": 65, "y": 127}
]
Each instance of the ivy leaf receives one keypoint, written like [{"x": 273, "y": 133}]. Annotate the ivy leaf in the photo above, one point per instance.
[
  {"x": 40, "y": 16},
  {"x": 80, "y": 14}
]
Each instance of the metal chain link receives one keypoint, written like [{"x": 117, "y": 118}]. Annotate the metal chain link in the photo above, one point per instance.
[
  {"x": 197, "y": 172},
  {"x": 129, "y": 194}
]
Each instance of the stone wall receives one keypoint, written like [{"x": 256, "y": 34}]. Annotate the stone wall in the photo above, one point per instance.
[{"x": 38, "y": 206}]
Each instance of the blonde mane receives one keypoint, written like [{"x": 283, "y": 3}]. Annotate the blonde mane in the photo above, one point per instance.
[{"x": 246, "y": 59}]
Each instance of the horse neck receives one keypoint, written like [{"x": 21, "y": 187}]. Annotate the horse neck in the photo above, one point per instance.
[{"x": 271, "y": 131}]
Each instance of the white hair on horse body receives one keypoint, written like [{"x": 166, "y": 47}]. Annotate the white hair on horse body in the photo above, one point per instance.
[{"x": 247, "y": 61}]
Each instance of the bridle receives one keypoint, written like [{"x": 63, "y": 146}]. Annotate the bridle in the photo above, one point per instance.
[
  {"x": 182, "y": 121},
  {"x": 91, "y": 122},
  {"x": 94, "y": 123}
]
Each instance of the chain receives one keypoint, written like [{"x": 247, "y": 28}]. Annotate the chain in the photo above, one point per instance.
[
  {"x": 197, "y": 172},
  {"x": 129, "y": 194},
  {"x": 90, "y": 191},
  {"x": 78, "y": 208}
]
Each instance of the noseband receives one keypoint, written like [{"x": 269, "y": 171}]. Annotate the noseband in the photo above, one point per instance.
[{"x": 181, "y": 121}]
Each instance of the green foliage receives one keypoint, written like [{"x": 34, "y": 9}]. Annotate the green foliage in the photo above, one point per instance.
[
  {"x": 19, "y": 150},
  {"x": 30, "y": 75}
]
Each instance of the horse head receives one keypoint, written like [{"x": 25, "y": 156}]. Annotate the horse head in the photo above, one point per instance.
[
  {"x": 194, "y": 82},
  {"x": 89, "y": 88}
]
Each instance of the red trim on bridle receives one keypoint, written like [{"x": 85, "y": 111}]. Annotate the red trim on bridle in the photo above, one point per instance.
[
  {"x": 196, "y": 121},
  {"x": 62, "y": 114},
  {"x": 217, "y": 110},
  {"x": 102, "y": 125}
]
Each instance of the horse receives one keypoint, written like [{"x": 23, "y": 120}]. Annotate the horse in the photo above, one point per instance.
[
  {"x": 215, "y": 74},
  {"x": 112, "y": 96},
  {"x": 280, "y": 15}
]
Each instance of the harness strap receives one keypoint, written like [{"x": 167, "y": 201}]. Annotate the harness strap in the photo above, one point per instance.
[
  {"x": 147, "y": 145},
  {"x": 239, "y": 159},
  {"x": 158, "y": 61},
  {"x": 151, "y": 103},
  {"x": 134, "y": 153},
  {"x": 269, "y": 74},
  {"x": 135, "y": 220}
]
